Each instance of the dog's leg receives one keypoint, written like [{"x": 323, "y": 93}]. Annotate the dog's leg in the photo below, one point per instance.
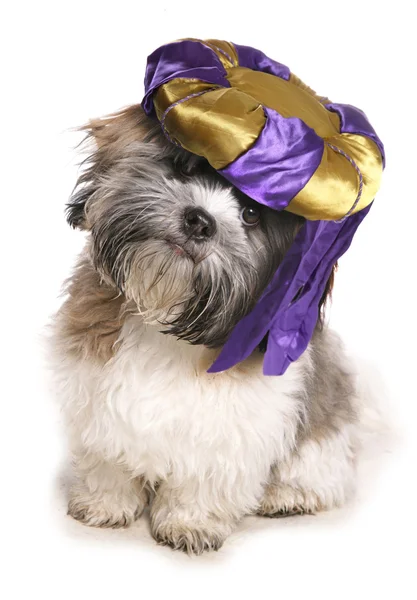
[
  {"x": 320, "y": 475},
  {"x": 197, "y": 515},
  {"x": 105, "y": 495}
]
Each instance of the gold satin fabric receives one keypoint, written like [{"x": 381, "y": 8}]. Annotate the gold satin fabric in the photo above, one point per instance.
[
  {"x": 224, "y": 50},
  {"x": 288, "y": 98},
  {"x": 223, "y": 123}
]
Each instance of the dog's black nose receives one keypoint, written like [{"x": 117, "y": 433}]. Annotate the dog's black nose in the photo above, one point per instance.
[{"x": 198, "y": 224}]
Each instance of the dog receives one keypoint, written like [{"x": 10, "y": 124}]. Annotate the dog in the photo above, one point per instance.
[{"x": 175, "y": 256}]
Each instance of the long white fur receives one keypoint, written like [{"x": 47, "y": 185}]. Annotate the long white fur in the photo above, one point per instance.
[{"x": 153, "y": 412}]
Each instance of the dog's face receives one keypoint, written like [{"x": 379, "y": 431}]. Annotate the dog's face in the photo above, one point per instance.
[{"x": 188, "y": 248}]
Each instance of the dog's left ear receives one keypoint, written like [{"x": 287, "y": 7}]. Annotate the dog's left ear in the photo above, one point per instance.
[
  {"x": 327, "y": 295},
  {"x": 109, "y": 137}
]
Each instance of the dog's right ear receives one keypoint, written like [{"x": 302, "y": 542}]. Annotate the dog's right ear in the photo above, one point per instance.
[{"x": 109, "y": 137}]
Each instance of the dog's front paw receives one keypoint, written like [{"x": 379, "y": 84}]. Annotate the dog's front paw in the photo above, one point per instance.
[
  {"x": 106, "y": 509},
  {"x": 282, "y": 500},
  {"x": 193, "y": 538},
  {"x": 97, "y": 514},
  {"x": 180, "y": 522},
  {"x": 187, "y": 528}
]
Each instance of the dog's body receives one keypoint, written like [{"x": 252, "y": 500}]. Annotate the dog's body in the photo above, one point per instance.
[{"x": 175, "y": 256}]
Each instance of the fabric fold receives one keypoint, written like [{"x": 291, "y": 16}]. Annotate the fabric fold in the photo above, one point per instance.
[{"x": 306, "y": 268}]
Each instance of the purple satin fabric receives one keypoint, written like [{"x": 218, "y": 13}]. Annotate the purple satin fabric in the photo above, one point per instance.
[
  {"x": 354, "y": 120},
  {"x": 303, "y": 273},
  {"x": 279, "y": 164},
  {"x": 258, "y": 61},
  {"x": 272, "y": 172},
  {"x": 181, "y": 59}
]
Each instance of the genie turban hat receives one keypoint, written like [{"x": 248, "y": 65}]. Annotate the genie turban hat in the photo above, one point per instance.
[{"x": 273, "y": 138}]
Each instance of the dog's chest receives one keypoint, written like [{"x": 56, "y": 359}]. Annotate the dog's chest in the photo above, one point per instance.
[{"x": 155, "y": 405}]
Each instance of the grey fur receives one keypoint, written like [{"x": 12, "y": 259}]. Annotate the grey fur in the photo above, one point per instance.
[
  {"x": 138, "y": 195},
  {"x": 330, "y": 387}
]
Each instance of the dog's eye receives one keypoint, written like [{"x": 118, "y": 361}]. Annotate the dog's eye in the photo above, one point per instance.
[{"x": 250, "y": 216}]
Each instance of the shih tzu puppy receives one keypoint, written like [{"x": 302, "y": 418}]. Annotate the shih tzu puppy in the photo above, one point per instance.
[{"x": 175, "y": 256}]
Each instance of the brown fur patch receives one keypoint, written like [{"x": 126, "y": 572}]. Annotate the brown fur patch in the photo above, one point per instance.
[
  {"x": 92, "y": 316},
  {"x": 116, "y": 131}
]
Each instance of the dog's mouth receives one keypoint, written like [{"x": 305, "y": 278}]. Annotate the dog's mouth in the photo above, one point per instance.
[{"x": 179, "y": 250}]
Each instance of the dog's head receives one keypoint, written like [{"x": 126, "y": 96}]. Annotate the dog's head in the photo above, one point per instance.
[{"x": 188, "y": 248}]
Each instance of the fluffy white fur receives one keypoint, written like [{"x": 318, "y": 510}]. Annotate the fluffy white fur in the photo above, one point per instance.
[{"x": 152, "y": 414}]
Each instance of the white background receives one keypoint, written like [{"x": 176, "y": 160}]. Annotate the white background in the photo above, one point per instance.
[{"x": 64, "y": 62}]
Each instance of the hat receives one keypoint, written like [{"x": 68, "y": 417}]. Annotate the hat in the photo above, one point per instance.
[{"x": 273, "y": 138}]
